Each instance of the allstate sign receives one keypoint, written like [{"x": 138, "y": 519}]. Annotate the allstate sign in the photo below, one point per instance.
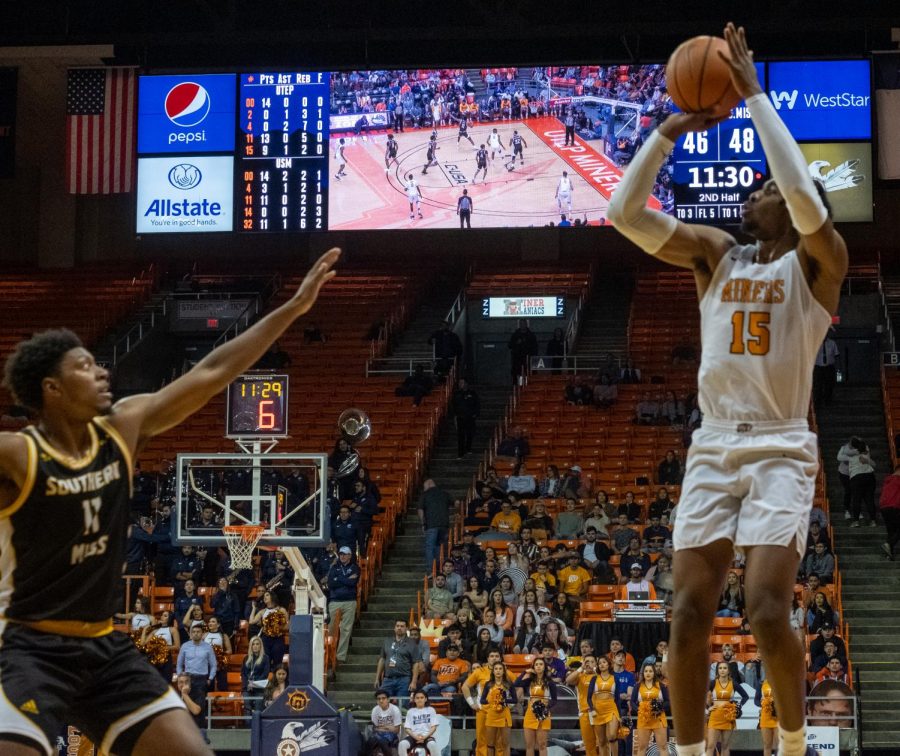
[
  {"x": 185, "y": 194},
  {"x": 823, "y": 99}
]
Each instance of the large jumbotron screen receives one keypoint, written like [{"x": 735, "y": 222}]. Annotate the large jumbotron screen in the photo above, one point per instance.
[{"x": 398, "y": 149}]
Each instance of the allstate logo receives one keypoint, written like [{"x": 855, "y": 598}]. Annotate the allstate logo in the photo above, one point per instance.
[
  {"x": 187, "y": 104},
  {"x": 185, "y": 176}
]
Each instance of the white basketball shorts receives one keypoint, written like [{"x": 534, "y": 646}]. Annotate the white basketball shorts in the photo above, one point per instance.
[{"x": 750, "y": 482}]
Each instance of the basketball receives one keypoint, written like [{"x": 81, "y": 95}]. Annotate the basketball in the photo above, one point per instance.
[{"x": 698, "y": 79}]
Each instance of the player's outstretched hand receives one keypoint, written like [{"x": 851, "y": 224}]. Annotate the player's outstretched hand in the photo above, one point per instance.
[
  {"x": 318, "y": 275},
  {"x": 681, "y": 123},
  {"x": 740, "y": 62}
]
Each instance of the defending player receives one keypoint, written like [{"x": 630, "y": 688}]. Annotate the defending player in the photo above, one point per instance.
[
  {"x": 750, "y": 479},
  {"x": 463, "y": 132},
  {"x": 481, "y": 162},
  {"x": 431, "y": 154},
  {"x": 414, "y": 195},
  {"x": 390, "y": 153},
  {"x": 495, "y": 143},
  {"x": 517, "y": 143},
  {"x": 563, "y": 194},
  {"x": 64, "y": 503},
  {"x": 340, "y": 160}
]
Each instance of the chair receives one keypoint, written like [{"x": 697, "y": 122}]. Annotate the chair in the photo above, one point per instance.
[
  {"x": 601, "y": 592},
  {"x": 518, "y": 663},
  {"x": 227, "y": 709},
  {"x": 595, "y": 611},
  {"x": 726, "y": 625}
]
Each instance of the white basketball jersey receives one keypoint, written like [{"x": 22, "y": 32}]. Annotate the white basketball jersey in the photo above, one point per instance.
[
  {"x": 565, "y": 186},
  {"x": 761, "y": 328},
  {"x": 494, "y": 139},
  {"x": 412, "y": 189}
]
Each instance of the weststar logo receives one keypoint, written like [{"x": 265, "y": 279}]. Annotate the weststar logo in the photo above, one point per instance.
[{"x": 781, "y": 97}]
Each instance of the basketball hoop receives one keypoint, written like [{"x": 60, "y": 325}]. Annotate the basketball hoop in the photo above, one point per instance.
[{"x": 241, "y": 540}]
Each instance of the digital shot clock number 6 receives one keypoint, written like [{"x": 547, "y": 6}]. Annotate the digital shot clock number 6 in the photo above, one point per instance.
[{"x": 257, "y": 406}]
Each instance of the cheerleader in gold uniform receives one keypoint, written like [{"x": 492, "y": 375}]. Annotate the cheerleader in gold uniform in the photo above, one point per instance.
[
  {"x": 651, "y": 699},
  {"x": 497, "y": 698},
  {"x": 768, "y": 720},
  {"x": 581, "y": 678},
  {"x": 540, "y": 698},
  {"x": 723, "y": 711},
  {"x": 602, "y": 707}
]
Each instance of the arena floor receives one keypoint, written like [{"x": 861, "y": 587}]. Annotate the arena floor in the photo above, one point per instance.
[{"x": 367, "y": 198}]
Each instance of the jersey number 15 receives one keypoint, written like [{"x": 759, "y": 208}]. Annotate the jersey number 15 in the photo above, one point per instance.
[{"x": 756, "y": 339}]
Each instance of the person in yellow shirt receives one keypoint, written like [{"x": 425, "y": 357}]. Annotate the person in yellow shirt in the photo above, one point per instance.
[
  {"x": 574, "y": 579},
  {"x": 472, "y": 689},
  {"x": 544, "y": 581},
  {"x": 507, "y": 521}
]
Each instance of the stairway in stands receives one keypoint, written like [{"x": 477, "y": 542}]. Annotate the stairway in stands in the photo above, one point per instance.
[
  {"x": 870, "y": 582},
  {"x": 604, "y": 326}
]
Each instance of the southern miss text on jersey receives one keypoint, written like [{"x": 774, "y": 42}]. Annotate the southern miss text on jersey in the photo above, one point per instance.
[{"x": 62, "y": 541}]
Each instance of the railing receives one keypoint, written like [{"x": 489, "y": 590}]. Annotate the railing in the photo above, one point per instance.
[
  {"x": 241, "y": 706},
  {"x": 242, "y": 321},
  {"x": 133, "y": 337},
  {"x": 581, "y": 363},
  {"x": 399, "y": 365}
]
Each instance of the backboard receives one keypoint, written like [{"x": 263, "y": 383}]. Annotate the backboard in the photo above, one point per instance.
[{"x": 285, "y": 492}]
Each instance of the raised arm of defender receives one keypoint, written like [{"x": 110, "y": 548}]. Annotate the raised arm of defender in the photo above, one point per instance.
[{"x": 141, "y": 417}]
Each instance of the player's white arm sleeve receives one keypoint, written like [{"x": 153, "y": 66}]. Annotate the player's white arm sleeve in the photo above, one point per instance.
[
  {"x": 628, "y": 211},
  {"x": 788, "y": 167}
]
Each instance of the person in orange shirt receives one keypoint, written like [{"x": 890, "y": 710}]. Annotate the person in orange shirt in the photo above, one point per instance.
[
  {"x": 506, "y": 521},
  {"x": 615, "y": 645},
  {"x": 637, "y": 583},
  {"x": 574, "y": 579},
  {"x": 446, "y": 673}
]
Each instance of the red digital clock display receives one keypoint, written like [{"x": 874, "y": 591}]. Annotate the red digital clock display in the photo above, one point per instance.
[{"x": 257, "y": 406}]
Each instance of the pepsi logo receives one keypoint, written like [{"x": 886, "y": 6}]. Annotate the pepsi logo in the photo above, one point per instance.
[
  {"x": 185, "y": 176},
  {"x": 187, "y": 104}
]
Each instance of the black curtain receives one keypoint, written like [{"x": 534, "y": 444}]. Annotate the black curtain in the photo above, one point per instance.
[{"x": 639, "y": 638}]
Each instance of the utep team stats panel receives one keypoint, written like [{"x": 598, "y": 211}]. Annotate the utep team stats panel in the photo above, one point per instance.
[{"x": 257, "y": 152}]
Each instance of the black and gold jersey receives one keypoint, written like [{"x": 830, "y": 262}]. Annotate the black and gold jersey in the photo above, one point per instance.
[{"x": 62, "y": 541}]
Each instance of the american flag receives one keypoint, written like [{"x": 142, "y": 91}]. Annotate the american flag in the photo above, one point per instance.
[{"x": 100, "y": 119}]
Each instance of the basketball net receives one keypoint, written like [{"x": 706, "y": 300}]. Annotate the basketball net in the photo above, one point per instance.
[{"x": 241, "y": 540}]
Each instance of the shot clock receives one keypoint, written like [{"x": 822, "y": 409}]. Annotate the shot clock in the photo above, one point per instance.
[{"x": 256, "y": 406}]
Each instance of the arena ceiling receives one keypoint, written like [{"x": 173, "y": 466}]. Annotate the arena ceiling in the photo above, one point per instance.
[{"x": 345, "y": 33}]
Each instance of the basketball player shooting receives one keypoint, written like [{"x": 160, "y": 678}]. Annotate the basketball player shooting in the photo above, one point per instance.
[
  {"x": 750, "y": 477},
  {"x": 64, "y": 515}
]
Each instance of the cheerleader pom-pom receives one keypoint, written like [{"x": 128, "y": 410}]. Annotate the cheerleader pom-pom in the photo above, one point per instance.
[
  {"x": 275, "y": 624},
  {"x": 656, "y": 707},
  {"x": 540, "y": 710}
]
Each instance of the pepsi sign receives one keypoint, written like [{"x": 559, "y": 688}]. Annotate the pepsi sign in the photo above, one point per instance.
[
  {"x": 185, "y": 194},
  {"x": 823, "y": 99},
  {"x": 186, "y": 113}
]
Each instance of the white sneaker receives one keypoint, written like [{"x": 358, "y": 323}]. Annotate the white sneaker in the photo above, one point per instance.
[
  {"x": 872, "y": 523},
  {"x": 847, "y": 515},
  {"x": 854, "y": 524}
]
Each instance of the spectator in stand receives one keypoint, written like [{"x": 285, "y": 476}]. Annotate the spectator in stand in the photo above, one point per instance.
[
  {"x": 605, "y": 392},
  {"x": 550, "y": 653},
  {"x": 594, "y": 554},
  {"x": 454, "y": 583},
  {"x": 418, "y": 386},
  {"x": 439, "y": 601},
  {"x": 735, "y": 666},
  {"x": 184, "y": 603},
  {"x": 647, "y": 410},
  {"x": 731, "y": 602},
  {"x": 493, "y": 639},
  {"x": 521, "y": 482},
  {"x": 462, "y": 564},
  {"x": 630, "y": 508},
  {"x": 843, "y": 458},
  {"x": 616, "y": 647},
  {"x": 635, "y": 583},
  {"x": 820, "y": 562},
  {"x": 572, "y": 484},
  {"x": 419, "y": 728},
  {"x": 834, "y": 670},
  {"x": 556, "y": 350},
  {"x": 386, "y": 721},
  {"x": 825, "y": 371},
  {"x": 808, "y": 594},
  {"x": 452, "y": 637},
  {"x": 186, "y": 567},
  {"x": 446, "y": 343},
  {"x": 544, "y": 580},
  {"x": 196, "y": 658},
  {"x": 629, "y": 373},
  {"x": 527, "y": 546},
  {"x": 529, "y": 602},
  {"x": 798, "y": 618},
  {"x": 342, "y": 582},
  {"x": 669, "y": 472},
  {"x": 574, "y": 579},
  {"x": 539, "y": 522},
  {"x": 493, "y": 481},
  {"x": 829, "y": 652},
  {"x": 826, "y": 634},
  {"x": 889, "y": 504},
  {"x": 447, "y": 673},
  {"x": 577, "y": 392},
  {"x": 344, "y": 532},
  {"x": 363, "y": 508},
  {"x": 657, "y": 537},
  {"x": 504, "y": 614},
  {"x": 434, "y": 514},
  {"x": 276, "y": 685},
  {"x": 549, "y": 487},
  {"x": 515, "y": 558},
  {"x": 820, "y": 613},
  {"x": 862, "y": 482},
  {"x": 522, "y": 345},
  {"x": 481, "y": 509},
  {"x": 465, "y": 406},
  {"x": 662, "y": 579},
  {"x": 622, "y": 534},
  {"x": 662, "y": 504},
  {"x": 476, "y": 593},
  {"x": 816, "y": 535},
  {"x": 671, "y": 410},
  {"x": 226, "y": 606},
  {"x": 490, "y": 578},
  {"x": 598, "y": 519},
  {"x": 514, "y": 447},
  {"x": 569, "y": 522},
  {"x": 634, "y": 554},
  {"x": 506, "y": 522},
  {"x": 398, "y": 667}
]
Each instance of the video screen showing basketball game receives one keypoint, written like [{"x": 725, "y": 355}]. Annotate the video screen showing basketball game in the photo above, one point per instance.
[{"x": 494, "y": 147}]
